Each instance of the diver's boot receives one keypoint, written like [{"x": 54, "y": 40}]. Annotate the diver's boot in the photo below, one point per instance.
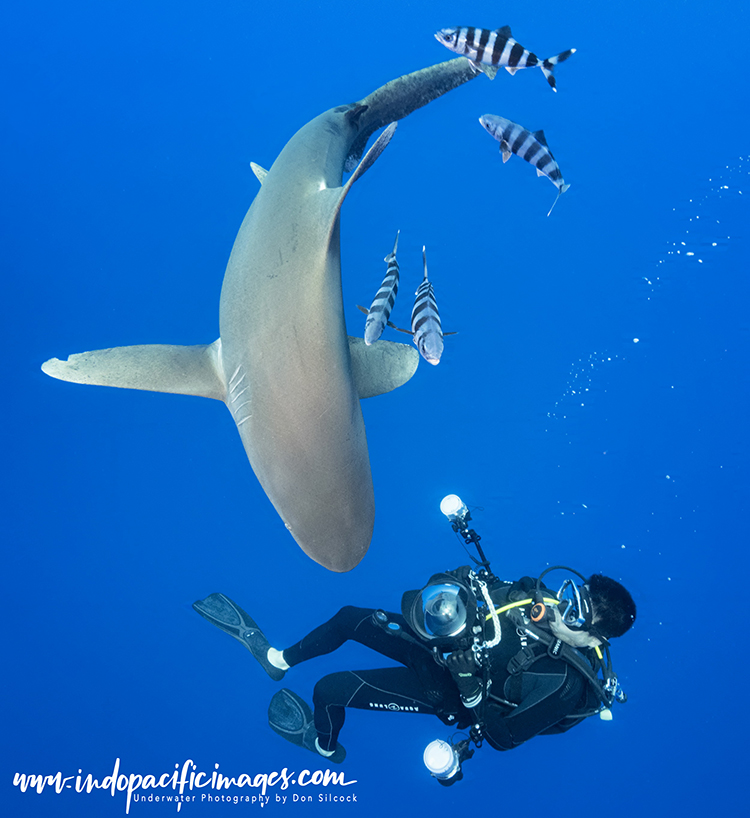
[
  {"x": 292, "y": 719},
  {"x": 221, "y": 611}
]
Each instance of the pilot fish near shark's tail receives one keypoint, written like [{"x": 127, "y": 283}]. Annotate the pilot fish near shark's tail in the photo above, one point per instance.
[
  {"x": 382, "y": 304},
  {"x": 425, "y": 320},
  {"x": 532, "y": 147},
  {"x": 494, "y": 49}
]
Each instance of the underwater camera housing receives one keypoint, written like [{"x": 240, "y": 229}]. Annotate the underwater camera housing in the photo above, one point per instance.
[
  {"x": 443, "y": 613},
  {"x": 450, "y": 612}
]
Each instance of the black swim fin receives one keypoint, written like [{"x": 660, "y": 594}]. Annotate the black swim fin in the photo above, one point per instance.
[
  {"x": 221, "y": 611},
  {"x": 292, "y": 719}
]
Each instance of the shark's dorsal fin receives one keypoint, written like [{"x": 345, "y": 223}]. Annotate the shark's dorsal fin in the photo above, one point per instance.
[
  {"x": 382, "y": 366},
  {"x": 182, "y": 370},
  {"x": 260, "y": 172},
  {"x": 504, "y": 31},
  {"x": 540, "y": 137}
]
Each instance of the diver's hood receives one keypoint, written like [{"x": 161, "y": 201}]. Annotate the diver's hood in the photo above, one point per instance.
[{"x": 442, "y": 612}]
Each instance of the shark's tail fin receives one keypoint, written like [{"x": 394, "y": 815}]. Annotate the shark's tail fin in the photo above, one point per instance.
[
  {"x": 183, "y": 370},
  {"x": 549, "y": 64}
]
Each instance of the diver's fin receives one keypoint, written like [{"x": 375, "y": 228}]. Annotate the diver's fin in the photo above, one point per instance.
[
  {"x": 292, "y": 719},
  {"x": 183, "y": 370},
  {"x": 221, "y": 611},
  {"x": 382, "y": 366},
  {"x": 260, "y": 173}
]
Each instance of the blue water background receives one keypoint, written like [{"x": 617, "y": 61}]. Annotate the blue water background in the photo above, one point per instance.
[{"x": 127, "y": 133}]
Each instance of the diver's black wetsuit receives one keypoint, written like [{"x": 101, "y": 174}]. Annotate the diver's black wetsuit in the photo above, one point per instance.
[{"x": 546, "y": 695}]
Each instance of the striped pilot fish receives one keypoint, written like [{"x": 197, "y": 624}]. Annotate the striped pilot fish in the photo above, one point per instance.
[
  {"x": 489, "y": 50},
  {"x": 530, "y": 146},
  {"x": 380, "y": 309},
  {"x": 425, "y": 320}
]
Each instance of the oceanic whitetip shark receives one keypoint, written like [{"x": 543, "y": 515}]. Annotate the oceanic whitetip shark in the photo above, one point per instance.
[{"x": 283, "y": 364}]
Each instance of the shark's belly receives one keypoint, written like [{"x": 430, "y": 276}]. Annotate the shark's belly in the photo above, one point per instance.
[{"x": 290, "y": 391}]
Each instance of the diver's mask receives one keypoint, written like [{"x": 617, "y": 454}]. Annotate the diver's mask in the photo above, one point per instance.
[
  {"x": 442, "y": 612},
  {"x": 575, "y": 605}
]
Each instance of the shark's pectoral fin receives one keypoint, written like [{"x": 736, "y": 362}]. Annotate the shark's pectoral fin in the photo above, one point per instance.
[
  {"x": 183, "y": 370},
  {"x": 382, "y": 366}
]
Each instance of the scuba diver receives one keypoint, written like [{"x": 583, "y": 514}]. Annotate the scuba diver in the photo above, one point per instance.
[{"x": 506, "y": 660}]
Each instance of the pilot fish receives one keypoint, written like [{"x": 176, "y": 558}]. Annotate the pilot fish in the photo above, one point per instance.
[
  {"x": 425, "y": 320},
  {"x": 530, "y": 146},
  {"x": 380, "y": 309},
  {"x": 497, "y": 48}
]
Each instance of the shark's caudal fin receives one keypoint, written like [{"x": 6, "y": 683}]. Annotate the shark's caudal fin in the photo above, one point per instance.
[
  {"x": 333, "y": 198},
  {"x": 378, "y": 146},
  {"x": 382, "y": 366},
  {"x": 490, "y": 70},
  {"x": 183, "y": 370}
]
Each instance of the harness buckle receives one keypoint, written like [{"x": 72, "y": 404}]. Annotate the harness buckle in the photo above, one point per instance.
[{"x": 521, "y": 660}]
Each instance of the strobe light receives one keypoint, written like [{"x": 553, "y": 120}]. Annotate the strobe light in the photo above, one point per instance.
[
  {"x": 441, "y": 759},
  {"x": 453, "y": 507}
]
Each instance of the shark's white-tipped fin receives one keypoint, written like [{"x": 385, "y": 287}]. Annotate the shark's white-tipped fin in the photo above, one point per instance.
[
  {"x": 182, "y": 370},
  {"x": 382, "y": 366},
  {"x": 259, "y": 172}
]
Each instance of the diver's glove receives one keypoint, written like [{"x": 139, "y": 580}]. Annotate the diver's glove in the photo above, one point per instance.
[{"x": 462, "y": 666}]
